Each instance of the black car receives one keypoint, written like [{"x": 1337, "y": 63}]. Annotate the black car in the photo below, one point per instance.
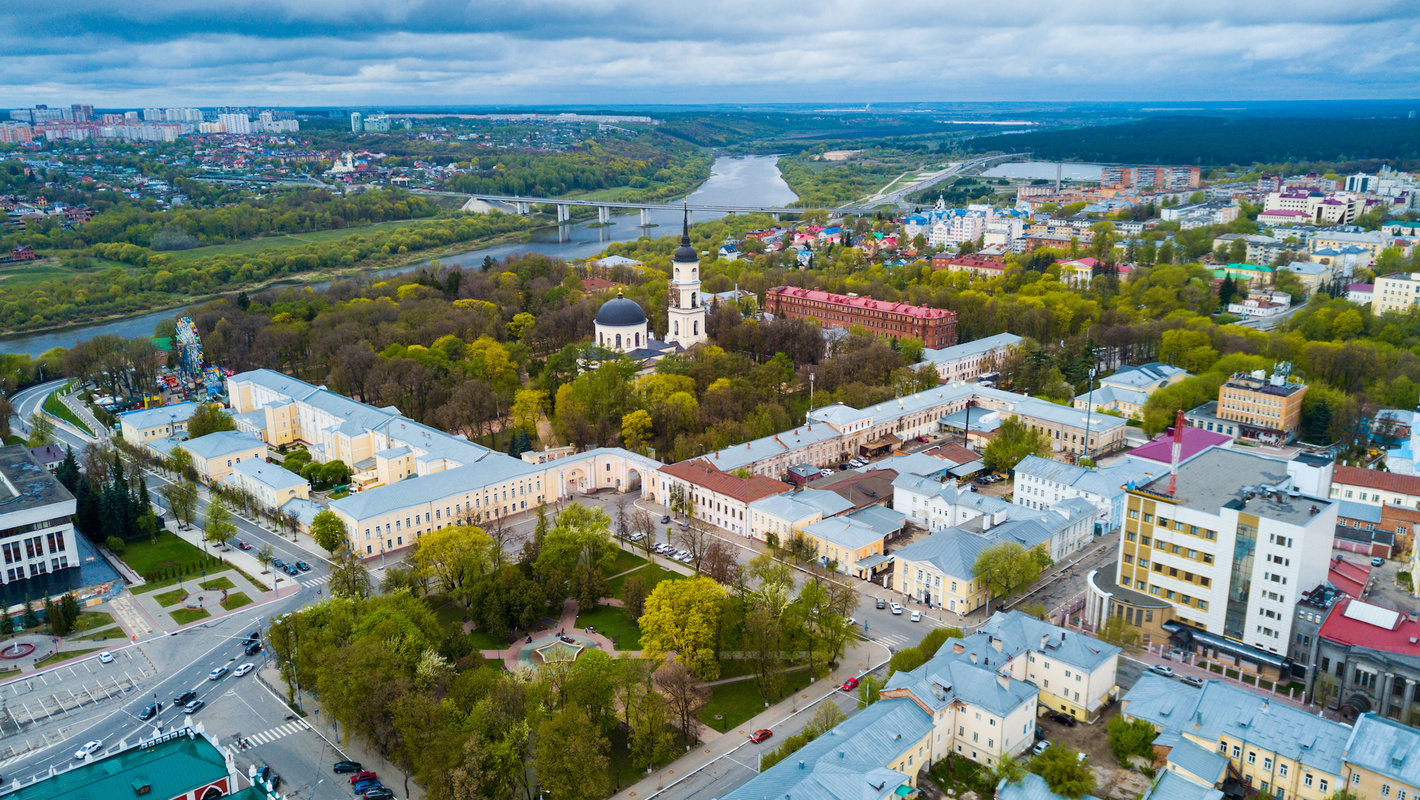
[
  {"x": 303, "y": 566},
  {"x": 150, "y": 711},
  {"x": 379, "y": 793},
  {"x": 275, "y": 782},
  {"x": 263, "y": 773},
  {"x": 1064, "y": 719},
  {"x": 185, "y": 698},
  {"x": 278, "y": 563},
  {"x": 347, "y": 766},
  {"x": 253, "y": 636},
  {"x": 253, "y": 648},
  {"x": 291, "y": 570},
  {"x": 665, "y": 519},
  {"x": 881, "y": 603}
]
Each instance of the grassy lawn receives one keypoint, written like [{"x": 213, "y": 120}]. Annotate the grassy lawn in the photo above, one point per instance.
[
  {"x": 739, "y": 701},
  {"x": 58, "y": 657},
  {"x": 625, "y": 560},
  {"x": 220, "y": 582},
  {"x": 614, "y": 622},
  {"x": 182, "y": 616},
  {"x": 171, "y": 598},
  {"x": 167, "y": 551},
  {"x": 107, "y": 633},
  {"x": 265, "y": 243},
  {"x": 58, "y": 409},
  {"x": 236, "y": 601},
  {"x": 90, "y": 620},
  {"x": 483, "y": 640},
  {"x": 651, "y": 574}
]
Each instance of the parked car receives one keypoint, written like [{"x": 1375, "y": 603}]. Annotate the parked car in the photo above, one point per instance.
[
  {"x": 916, "y": 616},
  {"x": 303, "y": 566},
  {"x": 379, "y": 793},
  {"x": 89, "y": 749},
  {"x": 1065, "y": 719},
  {"x": 1377, "y": 561},
  {"x": 242, "y": 670},
  {"x": 278, "y": 563},
  {"x": 665, "y": 519},
  {"x": 347, "y": 766},
  {"x": 149, "y": 711},
  {"x": 243, "y": 545},
  {"x": 361, "y": 787},
  {"x": 1196, "y": 683},
  {"x": 849, "y": 685},
  {"x": 881, "y": 603},
  {"x": 896, "y": 609},
  {"x": 216, "y": 673},
  {"x": 1041, "y": 746},
  {"x": 363, "y": 775},
  {"x": 760, "y": 735},
  {"x": 253, "y": 648},
  {"x": 825, "y": 473},
  {"x": 1160, "y": 669},
  {"x": 1040, "y": 733},
  {"x": 185, "y": 698},
  {"x": 292, "y": 571},
  {"x": 105, "y": 657},
  {"x": 193, "y": 707}
]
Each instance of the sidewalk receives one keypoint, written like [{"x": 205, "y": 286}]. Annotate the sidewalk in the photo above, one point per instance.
[
  {"x": 1194, "y": 667},
  {"x": 862, "y": 657},
  {"x": 81, "y": 410}
]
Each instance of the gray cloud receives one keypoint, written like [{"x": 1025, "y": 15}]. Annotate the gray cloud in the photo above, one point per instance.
[{"x": 311, "y": 52}]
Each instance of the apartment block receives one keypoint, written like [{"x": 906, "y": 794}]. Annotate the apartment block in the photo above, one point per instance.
[
  {"x": 1219, "y": 562},
  {"x": 1266, "y": 409},
  {"x": 969, "y": 361},
  {"x": 36, "y": 518},
  {"x": 1397, "y": 291}
]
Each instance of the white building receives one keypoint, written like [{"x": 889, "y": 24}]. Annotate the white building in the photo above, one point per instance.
[
  {"x": 687, "y": 311},
  {"x": 36, "y": 520},
  {"x": 235, "y": 124},
  {"x": 1262, "y": 304},
  {"x": 943, "y": 508},
  {"x": 1042, "y": 483},
  {"x": 969, "y": 361},
  {"x": 621, "y": 325}
]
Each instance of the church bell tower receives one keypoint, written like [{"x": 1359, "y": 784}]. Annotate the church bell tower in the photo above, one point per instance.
[{"x": 687, "y": 312}]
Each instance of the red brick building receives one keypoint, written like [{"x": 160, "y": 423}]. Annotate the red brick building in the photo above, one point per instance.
[{"x": 936, "y": 327}]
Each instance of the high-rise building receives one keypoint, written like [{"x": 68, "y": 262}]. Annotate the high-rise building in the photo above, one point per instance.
[
  {"x": 1217, "y": 555},
  {"x": 81, "y": 113},
  {"x": 357, "y": 122},
  {"x": 687, "y": 312},
  {"x": 1267, "y": 409},
  {"x": 236, "y": 124},
  {"x": 154, "y": 115}
]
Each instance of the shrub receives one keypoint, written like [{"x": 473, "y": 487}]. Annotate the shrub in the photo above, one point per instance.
[{"x": 116, "y": 545}]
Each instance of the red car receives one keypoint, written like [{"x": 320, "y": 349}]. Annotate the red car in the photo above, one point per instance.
[
  {"x": 849, "y": 685},
  {"x": 760, "y": 735},
  {"x": 243, "y": 545},
  {"x": 367, "y": 775}
]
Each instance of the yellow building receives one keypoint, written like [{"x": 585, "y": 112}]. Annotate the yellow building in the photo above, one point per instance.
[
  {"x": 150, "y": 426},
  {"x": 1269, "y": 410},
  {"x": 216, "y": 454},
  {"x": 1397, "y": 291}
]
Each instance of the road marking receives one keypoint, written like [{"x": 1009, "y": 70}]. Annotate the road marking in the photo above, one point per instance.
[{"x": 268, "y": 736}]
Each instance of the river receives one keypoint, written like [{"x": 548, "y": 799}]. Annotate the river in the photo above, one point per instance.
[{"x": 747, "y": 180}]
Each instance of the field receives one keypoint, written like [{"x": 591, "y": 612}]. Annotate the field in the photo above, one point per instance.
[
  {"x": 741, "y": 700},
  {"x": 615, "y": 623},
  {"x": 167, "y": 551},
  {"x": 264, "y": 243},
  {"x": 182, "y": 616},
  {"x": 236, "y": 601}
]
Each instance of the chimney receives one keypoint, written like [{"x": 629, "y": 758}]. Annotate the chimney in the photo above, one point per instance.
[
  {"x": 1044, "y": 637},
  {"x": 973, "y": 658},
  {"x": 996, "y": 643},
  {"x": 958, "y": 647},
  {"x": 1004, "y": 681}
]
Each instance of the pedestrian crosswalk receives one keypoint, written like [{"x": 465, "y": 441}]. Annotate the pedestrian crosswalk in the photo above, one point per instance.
[
  {"x": 316, "y": 581},
  {"x": 892, "y": 640},
  {"x": 258, "y": 739}
]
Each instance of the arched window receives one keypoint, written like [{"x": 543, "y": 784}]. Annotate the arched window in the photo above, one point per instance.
[
  {"x": 677, "y": 273},
  {"x": 618, "y": 341},
  {"x": 693, "y": 300},
  {"x": 677, "y": 327},
  {"x": 696, "y": 327},
  {"x": 638, "y": 339},
  {"x": 601, "y": 339}
]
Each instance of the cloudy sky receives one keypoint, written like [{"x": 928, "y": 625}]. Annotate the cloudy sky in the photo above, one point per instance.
[{"x": 118, "y": 53}]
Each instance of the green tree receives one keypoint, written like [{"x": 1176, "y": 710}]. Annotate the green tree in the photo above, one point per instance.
[
  {"x": 334, "y": 473},
  {"x": 636, "y": 429},
  {"x": 349, "y": 578},
  {"x": 41, "y": 430},
  {"x": 329, "y": 530},
  {"x": 1120, "y": 633},
  {"x": 572, "y": 761},
  {"x": 218, "y": 527},
  {"x": 207, "y": 418},
  {"x": 1013, "y": 442},
  {"x": 684, "y": 616},
  {"x": 1064, "y": 772},
  {"x": 1324, "y": 688},
  {"x": 1007, "y": 568},
  {"x": 453, "y": 556},
  {"x": 1131, "y": 738}
]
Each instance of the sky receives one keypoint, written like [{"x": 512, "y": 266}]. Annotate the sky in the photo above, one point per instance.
[{"x": 126, "y": 53}]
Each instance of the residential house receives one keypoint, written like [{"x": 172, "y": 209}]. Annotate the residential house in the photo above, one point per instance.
[
  {"x": 215, "y": 455},
  {"x": 1042, "y": 483},
  {"x": 144, "y": 428},
  {"x": 1126, "y": 391},
  {"x": 719, "y": 498}
]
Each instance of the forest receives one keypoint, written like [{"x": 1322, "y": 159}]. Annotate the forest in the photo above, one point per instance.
[{"x": 1212, "y": 141}]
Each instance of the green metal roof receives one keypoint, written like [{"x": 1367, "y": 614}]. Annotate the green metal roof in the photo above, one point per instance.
[{"x": 172, "y": 765}]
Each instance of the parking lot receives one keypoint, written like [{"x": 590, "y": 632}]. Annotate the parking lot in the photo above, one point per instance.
[{"x": 59, "y": 693}]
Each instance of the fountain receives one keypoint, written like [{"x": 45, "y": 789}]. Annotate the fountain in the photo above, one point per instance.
[{"x": 16, "y": 650}]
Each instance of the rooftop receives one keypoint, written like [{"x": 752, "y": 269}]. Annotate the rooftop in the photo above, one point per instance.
[
  {"x": 1172, "y": 785},
  {"x": 25, "y": 484},
  {"x": 1219, "y": 477},
  {"x": 162, "y": 415},
  {"x": 1195, "y": 441},
  {"x": 1360, "y": 624},
  {"x": 170, "y": 765},
  {"x": 1408, "y": 485},
  {"x": 867, "y": 303},
  {"x": 221, "y": 443},
  {"x": 699, "y": 472},
  {"x": 272, "y": 476},
  {"x": 1030, "y": 787},
  {"x": 1385, "y": 747},
  {"x": 970, "y": 349}
]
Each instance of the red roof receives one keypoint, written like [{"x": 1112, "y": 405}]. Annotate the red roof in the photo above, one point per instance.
[
  {"x": 1403, "y": 638},
  {"x": 1408, "y": 485},
  {"x": 698, "y": 472},
  {"x": 974, "y": 262},
  {"x": 921, "y": 312},
  {"x": 1349, "y": 578},
  {"x": 1195, "y": 441}
]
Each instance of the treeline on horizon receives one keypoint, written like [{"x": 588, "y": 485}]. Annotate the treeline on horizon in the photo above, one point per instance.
[{"x": 1216, "y": 141}]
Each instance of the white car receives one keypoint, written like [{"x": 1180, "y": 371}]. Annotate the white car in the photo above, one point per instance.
[
  {"x": 917, "y": 616},
  {"x": 896, "y": 609},
  {"x": 216, "y": 673},
  {"x": 88, "y": 749},
  {"x": 825, "y": 473},
  {"x": 105, "y": 657},
  {"x": 243, "y": 669}
]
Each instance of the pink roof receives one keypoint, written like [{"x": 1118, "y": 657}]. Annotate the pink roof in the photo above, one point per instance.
[
  {"x": 1349, "y": 578},
  {"x": 1195, "y": 441},
  {"x": 921, "y": 312},
  {"x": 1347, "y": 630},
  {"x": 1361, "y": 287},
  {"x": 1085, "y": 262},
  {"x": 1286, "y": 213}
]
